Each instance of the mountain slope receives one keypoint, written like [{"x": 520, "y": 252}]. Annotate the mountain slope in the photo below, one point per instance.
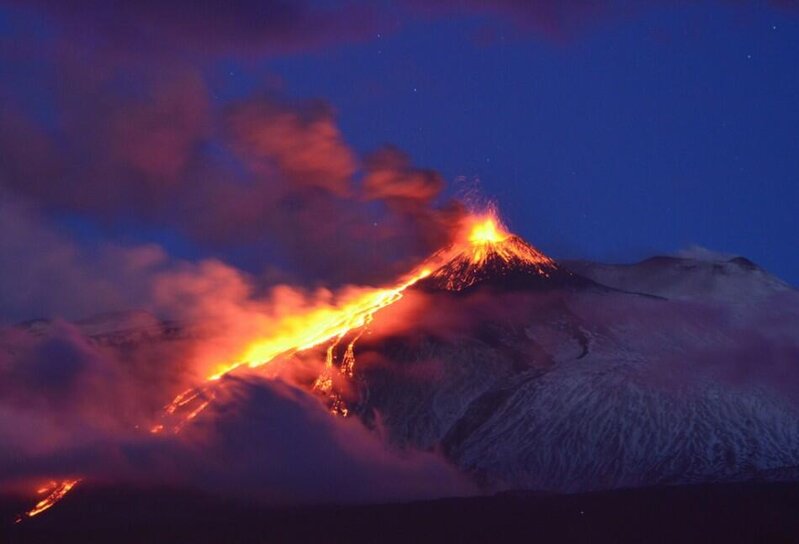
[
  {"x": 578, "y": 390},
  {"x": 493, "y": 258},
  {"x": 731, "y": 281},
  {"x": 535, "y": 377}
]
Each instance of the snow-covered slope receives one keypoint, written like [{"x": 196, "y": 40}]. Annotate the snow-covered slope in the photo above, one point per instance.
[
  {"x": 586, "y": 390},
  {"x": 734, "y": 281},
  {"x": 684, "y": 371}
]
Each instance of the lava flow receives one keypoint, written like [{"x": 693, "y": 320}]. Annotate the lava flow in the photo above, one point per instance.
[
  {"x": 483, "y": 247},
  {"x": 55, "y": 492},
  {"x": 483, "y": 250},
  {"x": 292, "y": 334},
  {"x": 300, "y": 332},
  {"x": 482, "y": 239}
]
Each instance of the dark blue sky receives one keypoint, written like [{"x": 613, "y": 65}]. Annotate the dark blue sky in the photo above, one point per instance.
[
  {"x": 679, "y": 127},
  {"x": 601, "y": 132}
]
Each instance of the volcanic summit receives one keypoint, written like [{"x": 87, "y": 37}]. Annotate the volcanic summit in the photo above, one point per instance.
[{"x": 488, "y": 255}]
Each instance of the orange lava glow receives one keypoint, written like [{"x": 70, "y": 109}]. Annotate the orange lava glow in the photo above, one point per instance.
[
  {"x": 487, "y": 230},
  {"x": 300, "y": 332},
  {"x": 485, "y": 247},
  {"x": 55, "y": 492},
  {"x": 291, "y": 334},
  {"x": 482, "y": 237},
  {"x": 483, "y": 242}
]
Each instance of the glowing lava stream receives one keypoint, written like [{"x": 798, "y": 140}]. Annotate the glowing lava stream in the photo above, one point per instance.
[
  {"x": 481, "y": 235},
  {"x": 299, "y": 333},
  {"x": 55, "y": 492},
  {"x": 307, "y": 331},
  {"x": 317, "y": 327}
]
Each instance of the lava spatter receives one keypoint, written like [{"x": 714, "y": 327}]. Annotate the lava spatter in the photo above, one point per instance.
[{"x": 488, "y": 255}]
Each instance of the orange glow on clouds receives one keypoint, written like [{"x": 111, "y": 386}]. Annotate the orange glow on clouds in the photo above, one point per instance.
[
  {"x": 294, "y": 328},
  {"x": 298, "y": 332},
  {"x": 301, "y": 330}
]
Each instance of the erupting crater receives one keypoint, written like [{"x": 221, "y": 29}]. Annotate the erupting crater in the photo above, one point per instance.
[{"x": 488, "y": 255}]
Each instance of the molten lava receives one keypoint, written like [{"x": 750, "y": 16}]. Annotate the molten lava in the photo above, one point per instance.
[
  {"x": 300, "y": 332},
  {"x": 487, "y": 230},
  {"x": 484, "y": 250},
  {"x": 55, "y": 492},
  {"x": 482, "y": 239},
  {"x": 489, "y": 254},
  {"x": 292, "y": 334}
]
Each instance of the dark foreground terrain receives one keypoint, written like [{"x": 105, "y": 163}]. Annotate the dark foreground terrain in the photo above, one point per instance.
[{"x": 707, "y": 513}]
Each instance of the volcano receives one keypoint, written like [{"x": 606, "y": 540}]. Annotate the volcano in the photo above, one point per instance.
[
  {"x": 545, "y": 380},
  {"x": 574, "y": 390},
  {"x": 489, "y": 256}
]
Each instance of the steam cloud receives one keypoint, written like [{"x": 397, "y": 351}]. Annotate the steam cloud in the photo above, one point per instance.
[
  {"x": 137, "y": 143},
  {"x": 69, "y": 407}
]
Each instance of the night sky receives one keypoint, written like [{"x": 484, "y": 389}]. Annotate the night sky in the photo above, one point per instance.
[
  {"x": 673, "y": 128},
  {"x": 610, "y": 131}
]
